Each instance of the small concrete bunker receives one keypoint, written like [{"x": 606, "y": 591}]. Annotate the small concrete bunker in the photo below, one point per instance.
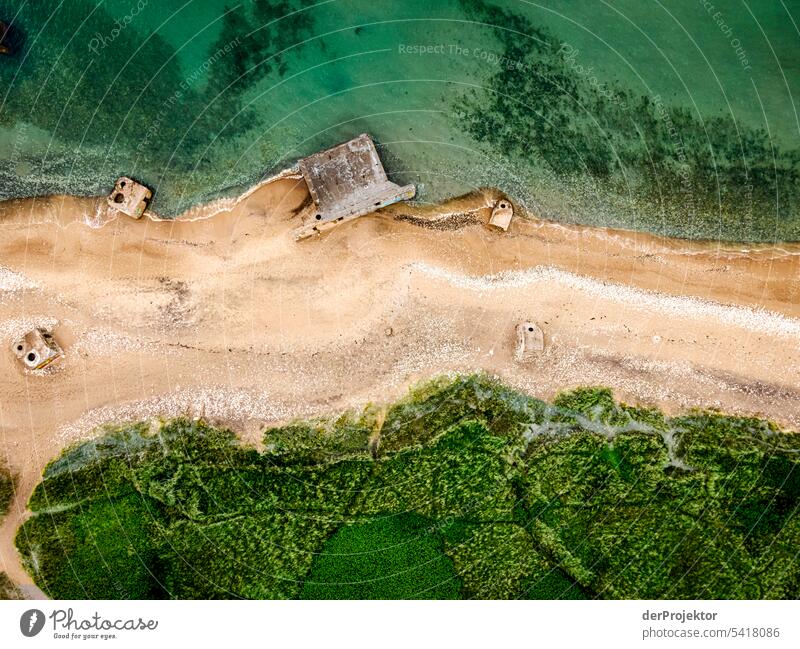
[
  {"x": 501, "y": 215},
  {"x": 37, "y": 349},
  {"x": 530, "y": 341},
  {"x": 345, "y": 182},
  {"x": 129, "y": 197}
]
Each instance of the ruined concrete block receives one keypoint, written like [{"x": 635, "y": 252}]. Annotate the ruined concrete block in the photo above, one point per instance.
[
  {"x": 129, "y": 197},
  {"x": 37, "y": 349},
  {"x": 346, "y": 182},
  {"x": 530, "y": 341},
  {"x": 501, "y": 214}
]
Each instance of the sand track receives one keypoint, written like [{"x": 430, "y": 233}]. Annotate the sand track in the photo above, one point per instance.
[{"x": 232, "y": 319}]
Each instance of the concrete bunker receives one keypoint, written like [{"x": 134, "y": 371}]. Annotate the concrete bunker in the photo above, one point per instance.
[
  {"x": 37, "y": 349},
  {"x": 129, "y": 197},
  {"x": 345, "y": 182},
  {"x": 502, "y": 212},
  {"x": 530, "y": 341}
]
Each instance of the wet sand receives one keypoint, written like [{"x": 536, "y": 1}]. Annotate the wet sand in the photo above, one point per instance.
[{"x": 230, "y": 318}]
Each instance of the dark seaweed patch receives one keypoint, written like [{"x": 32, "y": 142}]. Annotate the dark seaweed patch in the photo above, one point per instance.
[
  {"x": 687, "y": 176},
  {"x": 121, "y": 99}
]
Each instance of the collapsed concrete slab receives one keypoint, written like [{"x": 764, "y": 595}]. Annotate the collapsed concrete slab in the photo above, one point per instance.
[
  {"x": 129, "y": 197},
  {"x": 37, "y": 349},
  {"x": 345, "y": 182},
  {"x": 530, "y": 341}
]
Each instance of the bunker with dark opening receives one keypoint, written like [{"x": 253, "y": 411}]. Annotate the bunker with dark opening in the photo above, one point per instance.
[
  {"x": 502, "y": 213},
  {"x": 37, "y": 349},
  {"x": 530, "y": 341},
  {"x": 130, "y": 197}
]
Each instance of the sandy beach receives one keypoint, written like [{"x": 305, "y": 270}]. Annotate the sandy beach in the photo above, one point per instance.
[{"x": 232, "y": 319}]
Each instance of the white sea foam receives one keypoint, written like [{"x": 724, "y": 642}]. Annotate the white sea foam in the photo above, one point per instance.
[{"x": 753, "y": 319}]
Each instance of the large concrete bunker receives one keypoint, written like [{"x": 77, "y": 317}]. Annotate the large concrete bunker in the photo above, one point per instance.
[{"x": 345, "y": 182}]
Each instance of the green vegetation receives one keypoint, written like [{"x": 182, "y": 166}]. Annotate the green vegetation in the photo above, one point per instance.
[
  {"x": 687, "y": 176},
  {"x": 463, "y": 489},
  {"x": 394, "y": 557},
  {"x": 7, "y": 588},
  {"x": 6, "y": 490}
]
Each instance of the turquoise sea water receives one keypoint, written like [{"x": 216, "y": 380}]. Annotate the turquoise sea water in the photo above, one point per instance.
[{"x": 676, "y": 117}]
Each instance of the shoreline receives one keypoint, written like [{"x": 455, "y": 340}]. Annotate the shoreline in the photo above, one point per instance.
[
  {"x": 223, "y": 205},
  {"x": 230, "y": 318}
]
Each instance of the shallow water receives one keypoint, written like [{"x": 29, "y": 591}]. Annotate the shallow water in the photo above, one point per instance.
[{"x": 675, "y": 118}]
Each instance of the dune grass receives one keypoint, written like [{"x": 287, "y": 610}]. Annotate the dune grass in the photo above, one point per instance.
[
  {"x": 7, "y": 483},
  {"x": 473, "y": 491}
]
